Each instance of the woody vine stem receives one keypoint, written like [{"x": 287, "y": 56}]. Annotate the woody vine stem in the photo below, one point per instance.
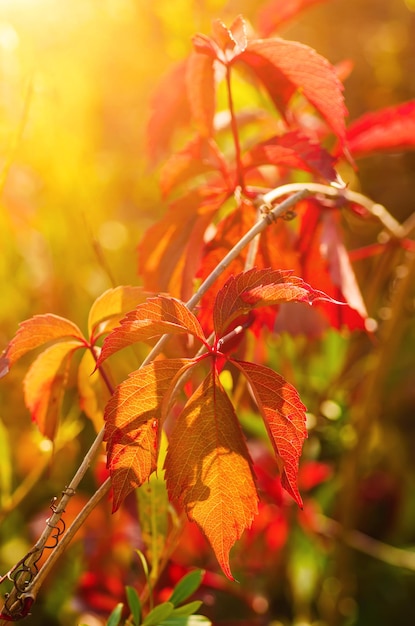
[{"x": 27, "y": 587}]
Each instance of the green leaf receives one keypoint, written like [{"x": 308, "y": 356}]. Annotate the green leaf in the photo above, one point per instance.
[
  {"x": 115, "y": 617},
  {"x": 144, "y": 565},
  {"x": 134, "y": 604},
  {"x": 186, "y": 586},
  {"x": 188, "y": 609},
  {"x": 158, "y": 614}
]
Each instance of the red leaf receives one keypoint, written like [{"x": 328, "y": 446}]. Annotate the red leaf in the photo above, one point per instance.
[
  {"x": 284, "y": 417},
  {"x": 201, "y": 155},
  {"x": 286, "y": 66},
  {"x": 206, "y": 45},
  {"x": 340, "y": 268},
  {"x": 325, "y": 263},
  {"x": 44, "y": 385},
  {"x": 259, "y": 287},
  {"x": 231, "y": 40},
  {"x": 229, "y": 231},
  {"x": 276, "y": 249},
  {"x": 208, "y": 469},
  {"x": 277, "y": 12},
  {"x": 153, "y": 318},
  {"x": 133, "y": 422},
  {"x": 389, "y": 129},
  {"x": 293, "y": 150},
  {"x": 170, "y": 111},
  {"x": 226, "y": 42},
  {"x": 201, "y": 92},
  {"x": 37, "y": 331}
]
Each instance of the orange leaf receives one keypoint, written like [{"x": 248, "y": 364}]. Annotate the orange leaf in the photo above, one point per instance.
[
  {"x": 44, "y": 385},
  {"x": 37, "y": 331},
  {"x": 208, "y": 469},
  {"x": 114, "y": 303},
  {"x": 284, "y": 417},
  {"x": 132, "y": 424},
  {"x": 164, "y": 249},
  {"x": 287, "y": 66},
  {"x": 153, "y": 318}
]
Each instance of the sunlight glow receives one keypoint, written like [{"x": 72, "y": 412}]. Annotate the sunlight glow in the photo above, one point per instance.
[{"x": 9, "y": 39}]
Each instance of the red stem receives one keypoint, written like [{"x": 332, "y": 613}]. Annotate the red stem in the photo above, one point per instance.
[
  {"x": 102, "y": 371},
  {"x": 234, "y": 127}
]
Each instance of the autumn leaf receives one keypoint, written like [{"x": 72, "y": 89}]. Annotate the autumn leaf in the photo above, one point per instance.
[
  {"x": 257, "y": 288},
  {"x": 229, "y": 230},
  {"x": 170, "y": 111},
  {"x": 199, "y": 156},
  {"x": 340, "y": 268},
  {"x": 201, "y": 92},
  {"x": 170, "y": 250},
  {"x": 112, "y": 304},
  {"x": 226, "y": 42},
  {"x": 292, "y": 150},
  {"x": 132, "y": 424},
  {"x": 233, "y": 39},
  {"x": 276, "y": 249},
  {"x": 275, "y": 13},
  {"x": 44, "y": 385},
  {"x": 208, "y": 469},
  {"x": 325, "y": 262},
  {"x": 388, "y": 130},
  {"x": 37, "y": 331},
  {"x": 284, "y": 417},
  {"x": 285, "y": 67},
  {"x": 153, "y": 318}
]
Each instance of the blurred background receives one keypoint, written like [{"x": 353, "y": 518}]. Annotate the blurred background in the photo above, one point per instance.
[{"x": 77, "y": 193}]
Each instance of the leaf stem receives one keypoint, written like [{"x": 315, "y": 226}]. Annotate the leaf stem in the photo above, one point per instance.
[
  {"x": 34, "y": 587},
  {"x": 33, "y": 556},
  {"x": 397, "y": 557},
  {"x": 374, "y": 208}
]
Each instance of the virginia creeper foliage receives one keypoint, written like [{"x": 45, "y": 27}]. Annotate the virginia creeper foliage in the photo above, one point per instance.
[{"x": 216, "y": 186}]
